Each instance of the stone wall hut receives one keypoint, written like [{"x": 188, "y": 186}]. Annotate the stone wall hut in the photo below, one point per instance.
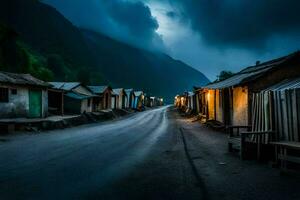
[{"x": 22, "y": 96}]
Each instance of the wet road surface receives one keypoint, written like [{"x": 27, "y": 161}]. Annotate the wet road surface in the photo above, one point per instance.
[
  {"x": 141, "y": 156},
  {"x": 156, "y": 154}
]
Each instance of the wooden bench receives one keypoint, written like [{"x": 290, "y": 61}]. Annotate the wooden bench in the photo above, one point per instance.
[
  {"x": 238, "y": 139},
  {"x": 234, "y": 136},
  {"x": 282, "y": 150},
  {"x": 257, "y": 138}
]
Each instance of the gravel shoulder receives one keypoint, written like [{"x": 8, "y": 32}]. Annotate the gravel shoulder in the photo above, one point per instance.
[{"x": 225, "y": 176}]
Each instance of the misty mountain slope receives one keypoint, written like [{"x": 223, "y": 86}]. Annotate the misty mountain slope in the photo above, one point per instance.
[
  {"x": 47, "y": 31},
  {"x": 75, "y": 54},
  {"x": 128, "y": 66}
]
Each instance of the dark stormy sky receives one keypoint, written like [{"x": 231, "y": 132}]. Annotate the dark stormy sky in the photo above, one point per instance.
[{"x": 209, "y": 35}]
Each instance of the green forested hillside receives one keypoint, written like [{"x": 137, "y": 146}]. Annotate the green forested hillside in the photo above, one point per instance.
[
  {"x": 49, "y": 33},
  {"x": 16, "y": 56},
  {"x": 47, "y": 45}
]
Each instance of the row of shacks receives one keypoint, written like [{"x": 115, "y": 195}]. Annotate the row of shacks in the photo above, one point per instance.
[
  {"x": 261, "y": 101},
  {"x": 24, "y": 96}
]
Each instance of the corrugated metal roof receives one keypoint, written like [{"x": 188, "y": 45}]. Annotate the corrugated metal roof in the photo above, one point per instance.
[
  {"x": 129, "y": 91},
  {"x": 251, "y": 73},
  {"x": 191, "y": 93},
  {"x": 67, "y": 86},
  {"x": 78, "y": 96},
  {"x": 118, "y": 91},
  {"x": 98, "y": 89},
  {"x": 138, "y": 93},
  {"x": 285, "y": 85},
  {"x": 21, "y": 79}
]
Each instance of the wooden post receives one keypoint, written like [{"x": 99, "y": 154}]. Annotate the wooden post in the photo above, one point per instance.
[
  {"x": 259, "y": 141},
  {"x": 215, "y": 105},
  {"x": 294, "y": 115},
  {"x": 243, "y": 143},
  {"x": 276, "y": 154},
  {"x": 279, "y": 112},
  {"x": 289, "y": 115}
]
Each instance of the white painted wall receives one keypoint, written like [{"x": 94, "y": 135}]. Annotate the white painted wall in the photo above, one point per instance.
[
  {"x": 113, "y": 101},
  {"x": 18, "y": 105},
  {"x": 85, "y": 107}
]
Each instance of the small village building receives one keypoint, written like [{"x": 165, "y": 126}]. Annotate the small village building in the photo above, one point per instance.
[
  {"x": 153, "y": 102},
  {"x": 150, "y": 101},
  {"x": 22, "y": 96},
  {"x": 200, "y": 99},
  {"x": 191, "y": 101},
  {"x": 176, "y": 101},
  {"x": 121, "y": 100},
  {"x": 181, "y": 101},
  {"x": 130, "y": 97},
  {"x": 103, "y": 99},
  {"x": 230, "y": 101},
  {"x": 147, "y": 100},
  {"x": 78, "y": 98},
  {"x": 114, "y": 100},
  {"x": 139, "y": 100},
  {"x": 161, "y": 102}
]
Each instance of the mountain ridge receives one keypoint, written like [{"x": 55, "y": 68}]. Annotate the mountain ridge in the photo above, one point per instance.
[{"x": 72, "y": 53}]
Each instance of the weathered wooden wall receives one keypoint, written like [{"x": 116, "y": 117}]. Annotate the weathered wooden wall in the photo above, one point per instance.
[
  {"x": 278, "y": 111},
  {"x": 219, "y": 106},
  {"x": 240, "y": 106},
  {"x": 210, "y": 96}
]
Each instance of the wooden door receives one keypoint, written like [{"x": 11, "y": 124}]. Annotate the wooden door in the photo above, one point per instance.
[{"x": 35, "y": 103}]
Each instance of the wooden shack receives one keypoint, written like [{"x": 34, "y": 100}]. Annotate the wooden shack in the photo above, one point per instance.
[
  {"x": 121, "y": 98},
  {"x": 181, "y": 101},
  {"x": 191, "y": 101},
  {"x": 78, "y": 98},
  {"x": 130, "y": 98},
  {"x": 148, "y": 101},
  {"x": 154, "y": 101},
  {"x": 22, "y": 96},
  {"x": 103, "y": 99},
  {"x": 230, "y": 101},
  {"x": 139, "y": 100}
]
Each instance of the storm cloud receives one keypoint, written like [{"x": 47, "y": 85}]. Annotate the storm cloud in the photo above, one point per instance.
[
  {"x": 209, "y": 35},
  {"x": 245, "y": 24},
  {"x": 128, "y": 21}
]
